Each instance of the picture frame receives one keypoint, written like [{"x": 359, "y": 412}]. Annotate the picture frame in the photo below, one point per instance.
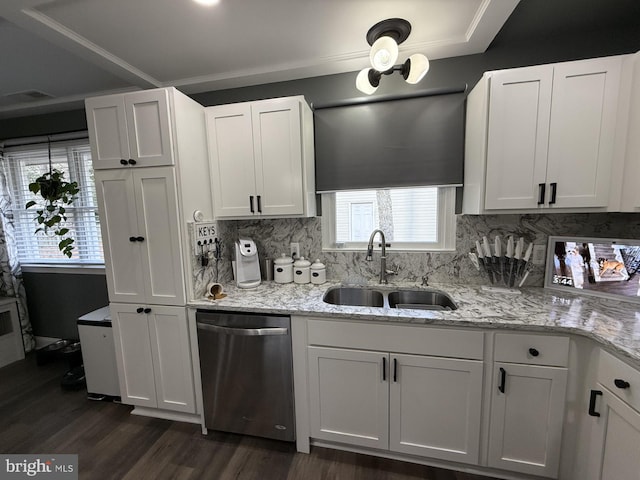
[{"x": 601, "y": 267}]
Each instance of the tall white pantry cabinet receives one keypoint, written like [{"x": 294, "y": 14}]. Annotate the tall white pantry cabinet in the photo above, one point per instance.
[{"x": 150, "y": 159}]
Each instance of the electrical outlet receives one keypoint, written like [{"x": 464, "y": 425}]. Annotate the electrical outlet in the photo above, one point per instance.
[
  {"x": 295, "y": 249},
  {"x": 539, "y": 254}
]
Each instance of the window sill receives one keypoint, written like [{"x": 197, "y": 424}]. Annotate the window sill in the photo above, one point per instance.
[{"x": 75, "y": 269}]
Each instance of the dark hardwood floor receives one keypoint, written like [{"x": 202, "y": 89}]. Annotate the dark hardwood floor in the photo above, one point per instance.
[{"x": 37, "y": 416}]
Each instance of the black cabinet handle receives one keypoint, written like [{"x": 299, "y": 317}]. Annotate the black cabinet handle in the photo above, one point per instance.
[
  {"x": 384, "y": 369},
  {"x": 147, "y": 310},
  {"x": 541, "y": 189},
  {"x": 139, "y": 239},
  {"x": 123, "y": 161},
  {"x": 139, "y": 309},
  {"x": 533, "y": 352},
  {"x": 132, "y": 161},
  {"x": 623, "y": 384},
  {"x": 554, "y": 188},
  {"x": 251, "y": 204},
  {"x": 259, "y": 204},
  {"x": 395, "y": 369},
  {"x": 132, "y": 239},
  {"x": 592, "y": 402},
  {"x": 503, "y": 379}
]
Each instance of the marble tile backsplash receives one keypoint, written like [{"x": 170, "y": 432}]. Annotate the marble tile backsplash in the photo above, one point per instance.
[{"x": 274, "y": 236}]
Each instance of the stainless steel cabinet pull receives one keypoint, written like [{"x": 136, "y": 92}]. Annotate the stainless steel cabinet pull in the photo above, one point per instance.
[{"x": 243, "y": 331}]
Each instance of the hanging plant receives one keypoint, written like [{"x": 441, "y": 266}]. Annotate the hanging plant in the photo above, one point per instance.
[{"x": 58, "y": 194}]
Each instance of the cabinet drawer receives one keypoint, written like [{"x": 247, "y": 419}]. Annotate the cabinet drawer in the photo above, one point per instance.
[
  {"x": 437, "y": 342},
  {"x": 532, "y": 349},
  {"x": 620, "y": 378}
]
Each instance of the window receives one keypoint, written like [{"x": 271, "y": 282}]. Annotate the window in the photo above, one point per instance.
[
  {"x": 412, "y": 218},
  {"x": 23, "y": 165}
]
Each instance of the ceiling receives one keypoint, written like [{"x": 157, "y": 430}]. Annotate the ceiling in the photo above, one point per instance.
[{"x": 57, "y": 52}]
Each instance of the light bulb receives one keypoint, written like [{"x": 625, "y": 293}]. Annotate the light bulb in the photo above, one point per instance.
[
  {"x": 417, "y": 66},
  {"x": 384, "y": 53},
  {"x": 207, "y": 3},
  {"x": 363, "y": 84}
]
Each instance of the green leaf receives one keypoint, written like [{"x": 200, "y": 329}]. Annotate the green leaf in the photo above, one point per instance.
[
  {"x": 34, "y": 187},
  {"x": 62, "y": 231},
  {"x": 30, "y": 204},
  {"x": 50, "y": 208},
  {"x": 65, "y": 243}
]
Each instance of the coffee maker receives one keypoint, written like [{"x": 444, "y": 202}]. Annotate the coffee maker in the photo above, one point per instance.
[{"x": 247, "y": 264}]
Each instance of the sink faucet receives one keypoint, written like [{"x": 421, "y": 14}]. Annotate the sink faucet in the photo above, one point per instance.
[{"x": 383, "y": 258}]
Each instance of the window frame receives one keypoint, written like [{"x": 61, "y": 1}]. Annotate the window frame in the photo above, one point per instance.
[
  {"x": 446, "y": 227},
  {"x": 77, "y": 169}
]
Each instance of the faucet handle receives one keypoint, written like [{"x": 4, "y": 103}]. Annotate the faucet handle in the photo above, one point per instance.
[
  {"x": 425, "y": 280},
  {"x": 393, "y": 271}
]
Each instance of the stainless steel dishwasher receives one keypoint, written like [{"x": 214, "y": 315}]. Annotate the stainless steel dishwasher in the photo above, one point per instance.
[{"x": 246, "y": 368}]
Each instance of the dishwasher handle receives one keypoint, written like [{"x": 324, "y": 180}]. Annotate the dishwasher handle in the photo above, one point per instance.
[{"x": 256, "y": 332}]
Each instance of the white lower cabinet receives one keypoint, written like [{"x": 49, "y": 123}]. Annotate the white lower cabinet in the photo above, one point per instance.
[
  {"x": 616, "y": 435},
  {"x": 412, "y": 404},
  {"x": 153, "y": 356},
  {"x": 527, "y": 411},
  {"x": 529, "y": 385},
  {"x": 614, "y": 409}
]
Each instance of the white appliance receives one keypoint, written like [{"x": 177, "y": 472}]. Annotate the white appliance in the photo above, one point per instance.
[
  {"x": 247, "y": 266},
  {"x": 99, "y": 355}
]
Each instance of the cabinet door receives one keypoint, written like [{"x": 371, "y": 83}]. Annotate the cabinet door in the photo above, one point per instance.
[
  {"x": 133, "y": 355},
  {"x": 435, "y": 407},
  {"x": 582, "y": 131},
  {"x": 527, "y": 412},
  {"x": 156, "y": 203},
  {"x": 119, "y": 224},
  {"x": 630, "y": 190},
  {"x": 278, "y": 156},
  {"x": 107, "y": 126},
  {"x": 149, "y": 127},
  {"x": 519, "y": 108},
  {"x": 230, "y": 138},
  {"x": 349, "y": 396},
  {"x": 615, "y": 453},
  {"x": 172, "y": 359}
]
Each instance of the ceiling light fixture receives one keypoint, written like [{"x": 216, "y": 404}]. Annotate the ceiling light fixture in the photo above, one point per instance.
[
  {"x": 207, "y": 3},
  {"x": 384, "y": 38}
]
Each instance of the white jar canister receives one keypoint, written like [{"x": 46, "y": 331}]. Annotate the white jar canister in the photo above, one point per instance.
[
  {"x": 318, "y": 272},
  {"x": 301, "y": 273},
  {"x": 283, "y": 269}
]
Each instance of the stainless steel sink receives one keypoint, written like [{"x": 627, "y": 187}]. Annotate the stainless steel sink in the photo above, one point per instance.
[
  {"x": 370, "y": 297},
  {"x": 360, "y": 297},
  {"x": 422, "y": 299}
]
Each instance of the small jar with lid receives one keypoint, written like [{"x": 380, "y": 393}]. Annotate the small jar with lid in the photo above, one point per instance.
[
  {"x": 318, "y": 272},
  {"x": 283, "y": 269},
  {"x": 301, "y": 271}
]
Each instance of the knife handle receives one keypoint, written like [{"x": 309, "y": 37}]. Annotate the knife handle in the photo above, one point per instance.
[{"x": 541, "y": 189}]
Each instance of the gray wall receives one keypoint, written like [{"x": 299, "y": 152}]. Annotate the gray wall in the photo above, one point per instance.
[{"x": 56, "y": 300}]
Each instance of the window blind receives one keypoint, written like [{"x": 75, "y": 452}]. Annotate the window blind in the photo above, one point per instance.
[
  {"x": 405, "y": 142},
  {"x": 24, "y": 164}
]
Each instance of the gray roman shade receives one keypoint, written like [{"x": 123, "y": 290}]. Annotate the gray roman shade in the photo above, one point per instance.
[{"x": 399, "y": 142}]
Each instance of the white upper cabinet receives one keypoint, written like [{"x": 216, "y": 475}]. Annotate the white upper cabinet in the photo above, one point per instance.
[
  {"x": 261, "y": 158},
  {"x": 543, "y": 137},
  {"x": 631, "y": 189},
  {"x": 132, "y": 129}
]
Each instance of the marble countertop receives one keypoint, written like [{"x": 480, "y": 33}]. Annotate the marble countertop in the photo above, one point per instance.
[{"x": 611, "y": 323}]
